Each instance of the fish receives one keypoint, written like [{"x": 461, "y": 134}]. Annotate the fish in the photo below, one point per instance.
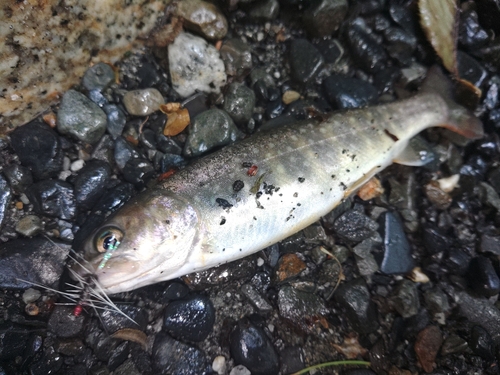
[{"x": 256, "y": 192}]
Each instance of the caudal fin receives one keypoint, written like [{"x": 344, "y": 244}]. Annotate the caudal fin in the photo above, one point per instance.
[{"x": 461, "y": 120}]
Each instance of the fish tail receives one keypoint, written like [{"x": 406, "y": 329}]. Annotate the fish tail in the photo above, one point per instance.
[{"x": 460, "y": 119}]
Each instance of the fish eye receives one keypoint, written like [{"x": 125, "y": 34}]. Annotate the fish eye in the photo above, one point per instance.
[{"x": 108, "y": 239}]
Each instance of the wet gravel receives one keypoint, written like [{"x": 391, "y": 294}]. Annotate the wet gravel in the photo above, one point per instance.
[{"x": 418, "y": 266}]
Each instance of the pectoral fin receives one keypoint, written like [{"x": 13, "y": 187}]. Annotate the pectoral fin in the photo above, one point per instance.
[{"x": 416, "y": 153}]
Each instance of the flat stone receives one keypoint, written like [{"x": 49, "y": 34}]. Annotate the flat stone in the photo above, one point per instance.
[
  {"x": 143, "y": 102},
  {"x": 305, "y": 60},
  {"x": 203, "y": 18}
]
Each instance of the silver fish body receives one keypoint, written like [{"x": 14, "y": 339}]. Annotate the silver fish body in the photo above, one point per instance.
[{"x": 218, "y": 210}]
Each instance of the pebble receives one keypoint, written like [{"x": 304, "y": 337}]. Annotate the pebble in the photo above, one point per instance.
[
  {"x": 203, "y": 18},
  {"x": 18, "y": 177},
  {"x": 290, "y": 96},
  {"x": 301, "y": 309},
  {"x": 53, "y": 198},
  {"x": 305, "y": 61},
  {"x": 190, "y": 319},
  {"x": 35, "y": 260},
  {"x": 481, "y": 343},
  {"x": 256, "y": 299},
  {"x": 98, "y": 98},
  {"x": 113, "y": 321},
  {"x": 354, "y": 226},
  {"x": 143, "y": 102},
  {"x": 322, "y": 18},
  {"x": 116, "y": 120},
  {"x": 470, "y": 32},
  {"x": 79, "y": 117},
  {"x": 483, "y": 277},
  {"x": 169, "y": 161},
  {"x": 354, "y": 298},
  {"x": 30, "y": 295},
  {"x": 397, "y": 257},
  {"x": 237, "y": 57},
  {"x": 490, "y": 243},
  {"x": 367, "y": 265},
  {"x": 240, "y": 370},
  {"x": 38, "y": 148},
  {"x": 346, "y": 92},
  {"x": 98, "y": 77},
  {"x": 436, "y": 300},
  {"x": 366, "y": 50},
  {"x": 400, "y": 44},
  {"x": 77, "y": 165},
  {"x": 454, "y": 344},
  {"x": 13, "y": 343},
  {"x": 239, "y": 103},
  {"x": 427, "y": 346},
  {"x": 252, "y": 348},
  {"x": 195, "y": 66},
  {"x": 289, "y": 266},
  {"x": 470, "y": 69},
  {"x": 64, "y": 323},
  {"x": 138, "y": 171},
  {"x": 265, "y": 10},
  {"x": 5, "y": 198},
  {"x": 174, "y": 357},
  {"x": 29, "y": 226},
  {"x": 405, "y": 298},
  {"x": 90, "y": 183},
  {"x": 331, "y": 49},
  {"x": 219, "y": 365},
  {"x": 210, "y": 129}
]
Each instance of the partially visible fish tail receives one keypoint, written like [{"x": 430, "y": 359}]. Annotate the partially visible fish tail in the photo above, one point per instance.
[{"x": 460, "y": 120}]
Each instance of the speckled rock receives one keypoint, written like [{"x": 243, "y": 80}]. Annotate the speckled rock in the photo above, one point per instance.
[
  {"x": 237, "y": 57},
  {"x": 195, "y": 66},
  {"x": 29, "y": 226},
  {"x": 53, "y": 198},
  {"x": 210, "y": 129},
  {"x": 80, "y": 117},
  {"x": 143, "y": 102},
  {"x": 98, "y": 77},
  {"x": 239, "y": 103},
  {"x": 202, "y": 17}
]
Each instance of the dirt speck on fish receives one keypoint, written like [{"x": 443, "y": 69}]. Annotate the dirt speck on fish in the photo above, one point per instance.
[{"x": 175, "y": 228}]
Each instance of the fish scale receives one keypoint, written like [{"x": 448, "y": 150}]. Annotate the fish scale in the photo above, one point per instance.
[{"x": 195, "y": 220}]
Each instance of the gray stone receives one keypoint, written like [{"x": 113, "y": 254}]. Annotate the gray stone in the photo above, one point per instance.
[
  {"x": 195, "y": 66},
  {"x": 305, "y": 60},
  {"x": 143, "y": 102},
  {"x": 210, "y": 129},
  {"x": 29, "y": 226},
  {"x": 324, "y": 17},
  {"x": 239, "y": 102},
  {"x": 265, "y": 10},
  {"x": 405, "y": 299},
  {"x": 98, "y": 77},
  {"x": 202, "y": 17},
  {"x": 79, "y": 117},
  {"x": 237, "y": 57}
]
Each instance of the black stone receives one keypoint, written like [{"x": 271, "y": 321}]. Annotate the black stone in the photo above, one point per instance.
[
  {"x": 64, "y": 323},
  {"x": 116, "y": 120},
  {"x": 292, "y": 359},
  {"x": 138, "y": 172},
  {"x": 346, "y": 92},
  {"x": 470, "y": 32},
  {"x": 53, "y": 198},
  {"x": 481, "y": 343},
  {"x": 400, "y": 44},
  {"x": 90, "y": 183},
  {"x": 19, "y": 177},
  {"x": 38, "y": 148},
  {"x": 132, "y": 317},
  {"x": 457, "y": 262},
  {"x": 169, "y": 161},
  {"x": 355, "y": 226},
  {"x": 97, "y": 97},
  {"x": 123, "y": 152},
  {"x": 404, "y": 16},
  {"x": 470, "y": 69},
  {"x": 167, "y": 145},
  {"x": 13, "y": 340},
  {"x": 305, "y": 60},
  {"x": 354, "y": 298},
  {"x": 118, "y": 356},
  {"x": 174, "y": 291},
  {"x": 482, "y": 277},
  {"x": 366, "y": 50},
  {"x": 190, "y": 319},
  {"x": 36, "y": 260},
  {"x": 251, "y": 348},
  {"x": 274, "y": 108},
  {"x": 174, "y": 357},
  {"x": 397, "y": 251}
]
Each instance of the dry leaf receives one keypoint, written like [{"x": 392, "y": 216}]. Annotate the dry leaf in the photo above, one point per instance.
[
  {"x": 439, "y": 19},
  {"x": 176, "y": 122}
]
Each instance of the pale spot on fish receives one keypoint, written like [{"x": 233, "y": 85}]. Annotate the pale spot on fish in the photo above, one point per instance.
[{"x": 293, "y": 137}]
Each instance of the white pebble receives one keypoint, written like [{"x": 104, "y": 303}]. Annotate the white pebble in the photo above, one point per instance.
[
  {"x": 64, "y": 175},
  {"x": 260, "y": 262},
  {"x": 240, "y": 370},
  {"x": 447, "y": 184},
  {"x": 77, "y": 165},
  {"x": 66, "y": 163},
  {"x": 31, "y": 295},
  {"x": 219, "y": 365}
]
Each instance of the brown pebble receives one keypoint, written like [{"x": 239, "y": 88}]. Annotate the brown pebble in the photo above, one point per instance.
[
  {"x": 372, "y": 189},
  {"x": 170, "y": 107},
  {"x": 50, "y": 119},
  {"x": 19, "y": 205},
  {"x": 31, "y": 309},
  {"x": 427, "y": 346},
  {"x": 437, "y": 196},
  {"x": 290, "y": 265}
]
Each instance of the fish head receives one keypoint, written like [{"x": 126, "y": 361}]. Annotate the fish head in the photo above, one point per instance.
[{"x": 144, "y": 242}]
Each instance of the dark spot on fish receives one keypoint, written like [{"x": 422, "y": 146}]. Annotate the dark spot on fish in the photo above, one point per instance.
[
  {"x": 241, "y": 250},
  {"x": 254, "y": 218},
  {"x": 301, "y": 179},
  {"x": 222, "y": 220},
  {"x": 276, "y": 190},
  {"x": 246, "y": 165},
  {"x": 321, "y": 193},
  {"x": 333, "y": 176},
  {"x": 392, "y": 136},
  {"x": 223, "y": 203},
  {"x": 224, "y": 249},
  {"x": 167, "y": 221},
  {"x": 238, "y": 185},
  {"x": 259, "y": 194},
  {"x": 353, "y": 157},
  {"x": 372, "y": 120},
  {"x": 343, "y": 186},
  {"x": 344, "y": 151},
  {"x": 298, "y": 204},
  {"x": 347, "y": 170}
]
